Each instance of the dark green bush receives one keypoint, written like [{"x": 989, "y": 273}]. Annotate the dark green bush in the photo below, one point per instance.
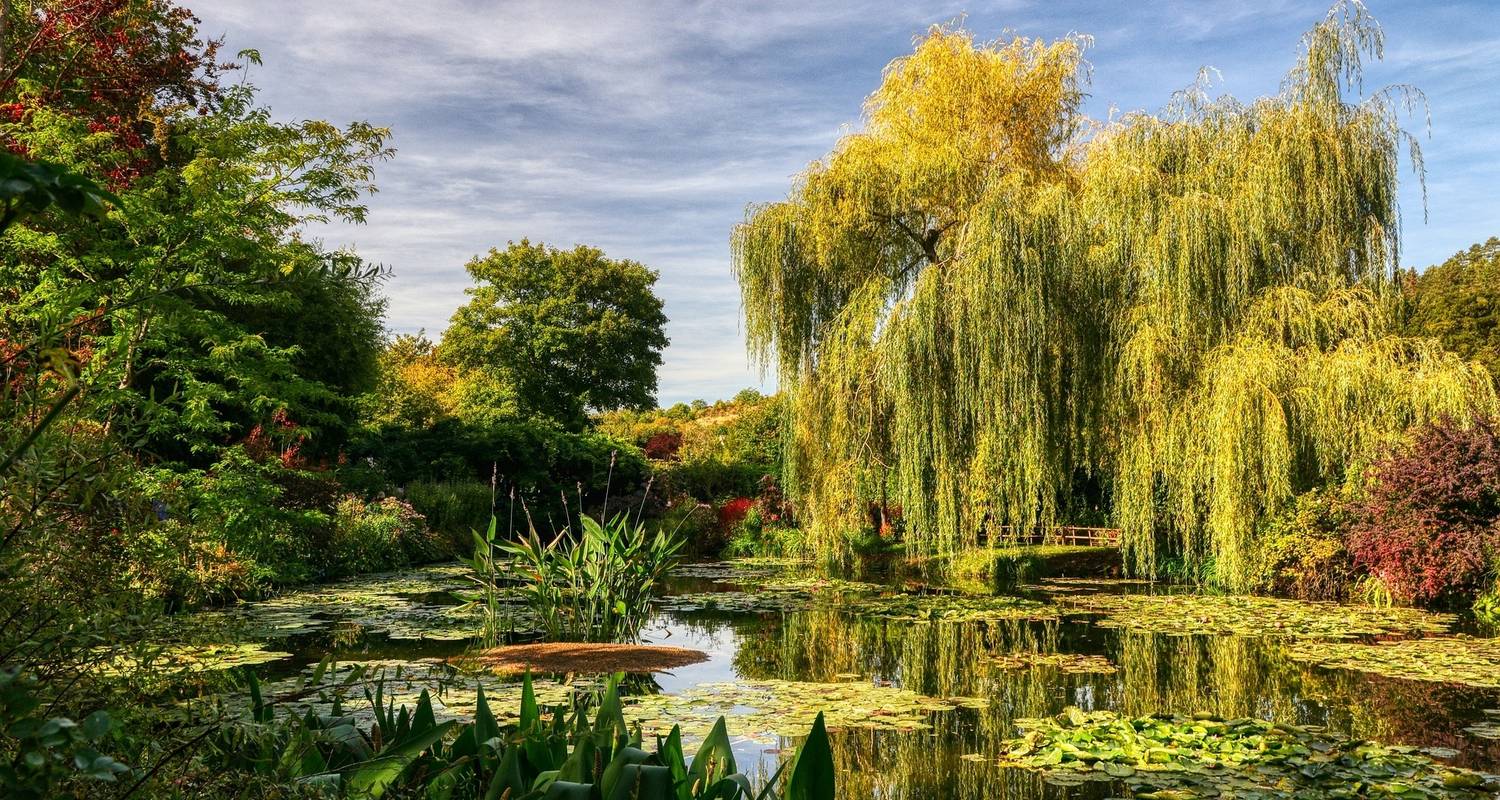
[
  {"x": 1300, "y": 552},
  {"x": 540, "y": 461},
  {"x": 452, "y": 508}
]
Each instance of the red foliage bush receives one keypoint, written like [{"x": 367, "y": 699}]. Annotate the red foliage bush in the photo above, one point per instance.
[
  {"x": 733, "y": 512},
  {"x": 663, "y": 446},
  {"x": 1430, "y": 527}
]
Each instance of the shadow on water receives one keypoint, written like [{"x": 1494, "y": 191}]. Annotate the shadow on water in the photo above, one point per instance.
[{"x": 1131, "y": 672}]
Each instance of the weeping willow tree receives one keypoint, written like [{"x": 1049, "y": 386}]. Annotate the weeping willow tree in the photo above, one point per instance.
[{"x": 982, "y": 298}]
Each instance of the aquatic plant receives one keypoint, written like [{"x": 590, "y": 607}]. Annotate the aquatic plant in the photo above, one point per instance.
[
  {"x": 981, "y": 295},
  {"x": 192, "y": 658},
  {"x": 949, "y": 608},
  {"x": 1193, "y": 614},
  {"x": 1440, "y": 659},
  {"x": 595, "y": 588},
  {"x": 1165, "y": 757},
  {"x": 1067, "y": 663},
  {"x": 554, "y": 753},
  {"x": 762, "y": 710},
  {"x": 416, "y": 604},
  {"x": 1489, "y": 728}
]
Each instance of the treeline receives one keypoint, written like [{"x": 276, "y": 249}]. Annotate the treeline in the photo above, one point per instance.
[{"x": 229, "y": 414}]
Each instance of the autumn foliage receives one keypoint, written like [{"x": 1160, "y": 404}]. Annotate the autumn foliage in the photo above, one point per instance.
[
  {"x": 1430, "y": 527},
  {"x": 114, "y": 65}
]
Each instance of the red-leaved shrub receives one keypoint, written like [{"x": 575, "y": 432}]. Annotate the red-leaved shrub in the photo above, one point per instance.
[
  {"x": 663, "y": 446},
  {"x": 1430, "y": 527},
  {"x": 734, "y": 511}
]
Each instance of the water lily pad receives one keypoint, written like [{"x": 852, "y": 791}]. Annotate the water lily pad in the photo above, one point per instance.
[
  {"x": 1190, "y": 614},
  {"x": 1440, "y": 659},
  {"x": 426, "y": 603},
  {"x": 763, "y": 710},
  {"x": 737, "y": 602},
  {"x": 194, "y": 658},
  {"x": 1169, "y": 757},
  {"x": 950, "y": 608},
  {"x": 1067, "y": 663},
  {"x": 735, "y": 570}
]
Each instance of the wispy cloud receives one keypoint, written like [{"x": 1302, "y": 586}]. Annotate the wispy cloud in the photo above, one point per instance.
[{"x": 645, "y": 128}]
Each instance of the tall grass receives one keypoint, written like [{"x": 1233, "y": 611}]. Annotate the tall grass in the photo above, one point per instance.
[{"x": 595, "y": 587}]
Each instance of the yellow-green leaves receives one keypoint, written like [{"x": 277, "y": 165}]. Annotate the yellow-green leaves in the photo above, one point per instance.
[{"x": 982, "y": 298}]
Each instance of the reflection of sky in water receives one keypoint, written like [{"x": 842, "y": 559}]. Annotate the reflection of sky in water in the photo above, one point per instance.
[
  {"x": 720, "y": 642},
  {"x": 1229, "y": 675}
]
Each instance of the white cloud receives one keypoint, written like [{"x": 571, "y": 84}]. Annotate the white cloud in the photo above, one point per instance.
[{"x": 645, "y": 128}]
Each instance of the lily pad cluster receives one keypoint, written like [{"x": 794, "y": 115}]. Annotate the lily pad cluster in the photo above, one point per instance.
[
  {"x": 1191, "y": 614},
  {"x": 1440, "y": 659},
  {"x": 194, "y": 658},
  {"x": 786, "y": 593},
  {"x": 1489, "y": 728},
  {"x": 950, "y": 608},
  {"x": 1169, "y": 757},
  {"x": 763, "y": 710},
  {"x": 1067, "y": 663},
  {"x": 418, "y": 604},
  {"x": 735, "y": 570},
  {"x": 738, "y": 602}
]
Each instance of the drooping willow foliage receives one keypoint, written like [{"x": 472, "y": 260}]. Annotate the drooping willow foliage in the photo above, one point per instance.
[{"x": 983, "y": 300}]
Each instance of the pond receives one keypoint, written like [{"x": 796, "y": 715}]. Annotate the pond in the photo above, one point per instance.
[{"x": 923, "y": 688}]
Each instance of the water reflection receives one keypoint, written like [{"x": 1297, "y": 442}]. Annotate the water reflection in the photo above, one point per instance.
[
  {"x": 1225, "y": 675},
  {"x": 1231, "y": 676}
]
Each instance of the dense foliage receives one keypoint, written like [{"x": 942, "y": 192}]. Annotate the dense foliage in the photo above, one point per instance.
[
  {"x": 717, "y": 468},
  {"x": 562, "y": 332},
  {"x": 1430, "y": 527},
  {"x": 556, "y": 753},
  {"x": 982, "y": 301},
  {"x": 1457, "y": 303},
  {"x": 1300, "y": 551}
]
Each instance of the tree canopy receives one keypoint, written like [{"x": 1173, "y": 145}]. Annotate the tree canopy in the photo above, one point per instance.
[
  {"x": 1457, "y": 302},
  {"x": 983, "y": 299},
  {"x": 559, "y": 332}
]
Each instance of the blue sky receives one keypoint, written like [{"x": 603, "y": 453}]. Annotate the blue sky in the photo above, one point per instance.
[{"x": 644, "y": 128}]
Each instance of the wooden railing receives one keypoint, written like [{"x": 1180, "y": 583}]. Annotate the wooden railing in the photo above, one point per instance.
[{"x": 1062, "y": 534}]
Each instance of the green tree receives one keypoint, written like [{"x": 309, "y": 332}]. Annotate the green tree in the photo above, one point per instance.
[
  {"x": 1457, "y": 302},
  {"x": 202, "y": 310},
  {"x": 982, "y": 296},
  {"x": 570, "y": 331}
]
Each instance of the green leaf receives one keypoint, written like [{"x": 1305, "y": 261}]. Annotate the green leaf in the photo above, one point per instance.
[
  {"x": 812, "y": 772},
  {"x": 372, "y": 778}
]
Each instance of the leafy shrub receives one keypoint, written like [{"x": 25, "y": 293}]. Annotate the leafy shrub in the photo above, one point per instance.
[
  {"x": 39, "y": 752},
  {"x": 243, "y": 505},
  {"x": 752, "y": 539},
  {"x": 184, "y": 566},
  {"x": 538, "y": 460},
  {"x": 1300, "y": 552},
  {"x": 452, "y": 508},
  {"x": 663, "y": 446},
  {"x": 379, "y": 535},
  {"x": 734, "y": 512},
  {"x": 1487, "y": 607},
  {"x": 1430, "y": 528}
]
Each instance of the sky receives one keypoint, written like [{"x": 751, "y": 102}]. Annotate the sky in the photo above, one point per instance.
[{"x": 646, "y": 128}]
